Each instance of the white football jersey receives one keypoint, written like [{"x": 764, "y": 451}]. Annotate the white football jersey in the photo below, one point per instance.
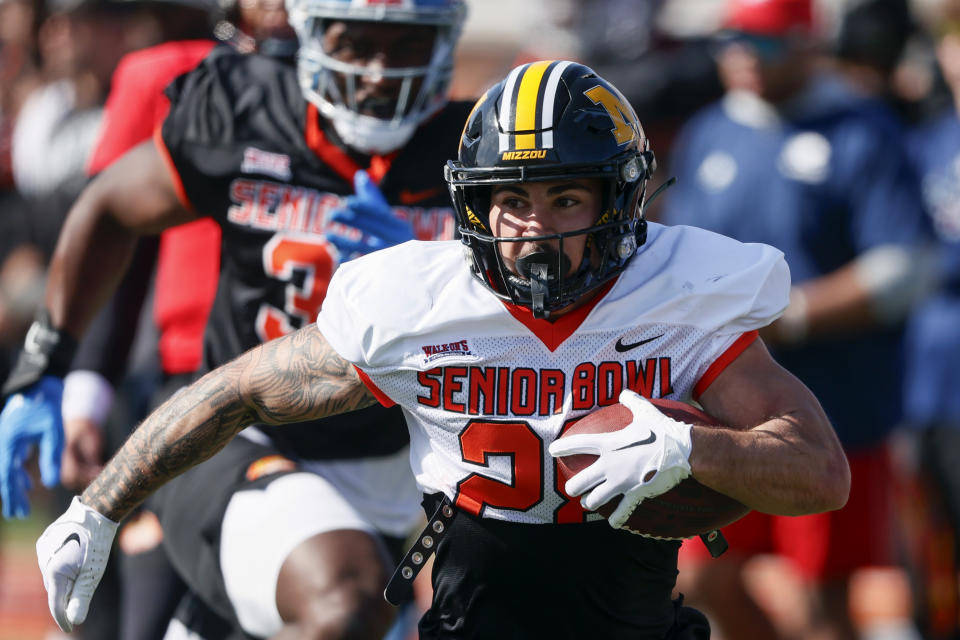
[{"x": 486, "y": 387}]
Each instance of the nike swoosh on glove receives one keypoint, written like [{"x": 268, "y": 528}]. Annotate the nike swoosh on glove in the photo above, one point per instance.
[
  {"x": 365, "y": 222},
  {"x": 72, "y": 554},
  {"x": 30, "y": 418},
  {"x": 648, "y": 457}
]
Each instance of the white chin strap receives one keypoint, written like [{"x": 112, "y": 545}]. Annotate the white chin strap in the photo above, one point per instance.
[{"x": 367, "y": 134}]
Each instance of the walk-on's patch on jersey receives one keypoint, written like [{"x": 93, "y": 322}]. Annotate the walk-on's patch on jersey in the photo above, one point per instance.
[
  {"x": 247, "y": 149},
  {"x": 485, "y": 387}
]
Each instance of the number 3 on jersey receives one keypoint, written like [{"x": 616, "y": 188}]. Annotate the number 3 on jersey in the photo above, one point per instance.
[{"x": 283, "y": 257}]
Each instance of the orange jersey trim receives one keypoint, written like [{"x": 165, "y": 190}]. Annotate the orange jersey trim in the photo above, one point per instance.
[
  {"x": 553, "y": 334},
  {"x": 732, "y": 353},
  {"x": 172, "y": 168},
  {"x": 335, "y": 157},
  {"x": 374, "y": 389}
]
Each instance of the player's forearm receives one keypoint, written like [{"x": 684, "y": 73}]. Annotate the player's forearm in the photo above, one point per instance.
[
  {"x": 295, "y": 378},
  {"x": 91, "y": 256},
  {"x": 188, "y": 428},
  {"x": 788, "y": 465},
  {"x": 134, "y": 196},
  {"x": 877, "y": 288}
]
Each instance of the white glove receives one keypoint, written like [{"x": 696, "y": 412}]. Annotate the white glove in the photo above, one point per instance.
[
  {"x": 72, "y": 554},
  {"x": 648, "y": 457}
]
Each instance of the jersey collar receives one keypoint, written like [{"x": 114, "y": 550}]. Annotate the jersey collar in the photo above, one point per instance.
[{"x": 553, "y": 334}]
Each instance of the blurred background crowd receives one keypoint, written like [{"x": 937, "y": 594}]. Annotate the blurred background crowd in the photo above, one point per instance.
[{"x": 829, "y": 129}]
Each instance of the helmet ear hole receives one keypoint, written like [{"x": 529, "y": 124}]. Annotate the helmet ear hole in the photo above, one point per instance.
[
  {"x": 472, "y": 132},
  {"x": 480, "y": 203}
]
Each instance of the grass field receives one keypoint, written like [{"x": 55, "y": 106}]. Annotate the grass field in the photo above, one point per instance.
[{"x": 23, "y": 602}]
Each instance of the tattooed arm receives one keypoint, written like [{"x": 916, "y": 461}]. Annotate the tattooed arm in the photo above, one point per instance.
[{"x": 290, "y": 379}]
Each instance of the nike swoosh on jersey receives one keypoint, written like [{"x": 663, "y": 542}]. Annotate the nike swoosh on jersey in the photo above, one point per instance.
[
  {"x": 72, "y": 537},
  {"x": 639, "y": 443},
  {"x": 621, "y": 347},
  {"x": 413, "y": 197}
]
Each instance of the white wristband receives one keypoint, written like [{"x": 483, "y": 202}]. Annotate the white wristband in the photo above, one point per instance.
[{"x": 86, "y": 395}]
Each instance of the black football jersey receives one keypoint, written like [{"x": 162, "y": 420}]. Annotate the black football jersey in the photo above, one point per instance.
[{"x": 247, "y": 149}]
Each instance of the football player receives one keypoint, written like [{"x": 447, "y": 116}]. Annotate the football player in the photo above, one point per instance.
[
  {"x": 303, "y": 168},
  {"x": 568, "y": 300}
]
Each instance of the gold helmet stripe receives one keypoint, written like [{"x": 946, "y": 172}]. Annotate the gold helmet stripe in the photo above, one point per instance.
[
  {"x": 526, "y": 118},
  {"x": 527, "y": 104}
]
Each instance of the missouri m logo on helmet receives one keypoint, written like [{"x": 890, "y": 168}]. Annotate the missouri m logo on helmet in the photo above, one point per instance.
[
  {"x": 552, "y": 120},
  {"x": 626, "y": 126}
]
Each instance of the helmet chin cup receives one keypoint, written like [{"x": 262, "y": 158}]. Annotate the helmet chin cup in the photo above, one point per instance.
[
  {"x": 553, "y": 261},
  {"x": 544, "y": 270},
  {"x": 367, "y": 134}
]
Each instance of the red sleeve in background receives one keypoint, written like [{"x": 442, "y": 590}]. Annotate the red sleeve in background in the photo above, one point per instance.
[
  {"x": 137, "y": 104},
  {"x": 188, "y": 270},
  {"x": 188, "y": 264}
]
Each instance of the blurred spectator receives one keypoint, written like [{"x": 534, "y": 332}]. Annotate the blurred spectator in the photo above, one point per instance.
[
  {"x": 79, "y": 43},
  {"x": 869, "y": 47},
  {"x": 665, "y": 73},
  {"x": 20, "y": 277},
  {"x": 18, "y": 66},
  {"x": 256, "y": 25},
  {"x": 931, "y": 507},
  {"x": 795, "y": 157}
]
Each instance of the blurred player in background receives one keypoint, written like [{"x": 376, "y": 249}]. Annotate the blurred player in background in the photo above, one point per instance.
[
  {"x": 562, "y": 270},
  {"x": 187, "y": 262},
  {"x": 277, "y": 155},
  {"x": 797, "y": 159},
  {"x": 189, "y": 254}
]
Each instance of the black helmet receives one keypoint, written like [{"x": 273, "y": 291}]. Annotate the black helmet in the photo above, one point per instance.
[{"x": 552, "y": 120}]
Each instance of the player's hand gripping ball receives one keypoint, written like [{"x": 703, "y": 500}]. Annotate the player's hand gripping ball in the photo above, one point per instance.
[{"x": 646, "y": 460}]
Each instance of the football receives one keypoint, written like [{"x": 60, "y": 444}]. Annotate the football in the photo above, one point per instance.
[{"x": 687, "y": 510}]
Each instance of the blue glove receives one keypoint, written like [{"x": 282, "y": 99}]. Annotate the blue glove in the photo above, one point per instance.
[
  {"x": 31, "y": 417},
  {"x": 366, "y": 222}
]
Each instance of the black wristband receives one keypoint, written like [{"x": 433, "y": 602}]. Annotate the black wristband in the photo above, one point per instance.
[{"x": 46, "y": 352}]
